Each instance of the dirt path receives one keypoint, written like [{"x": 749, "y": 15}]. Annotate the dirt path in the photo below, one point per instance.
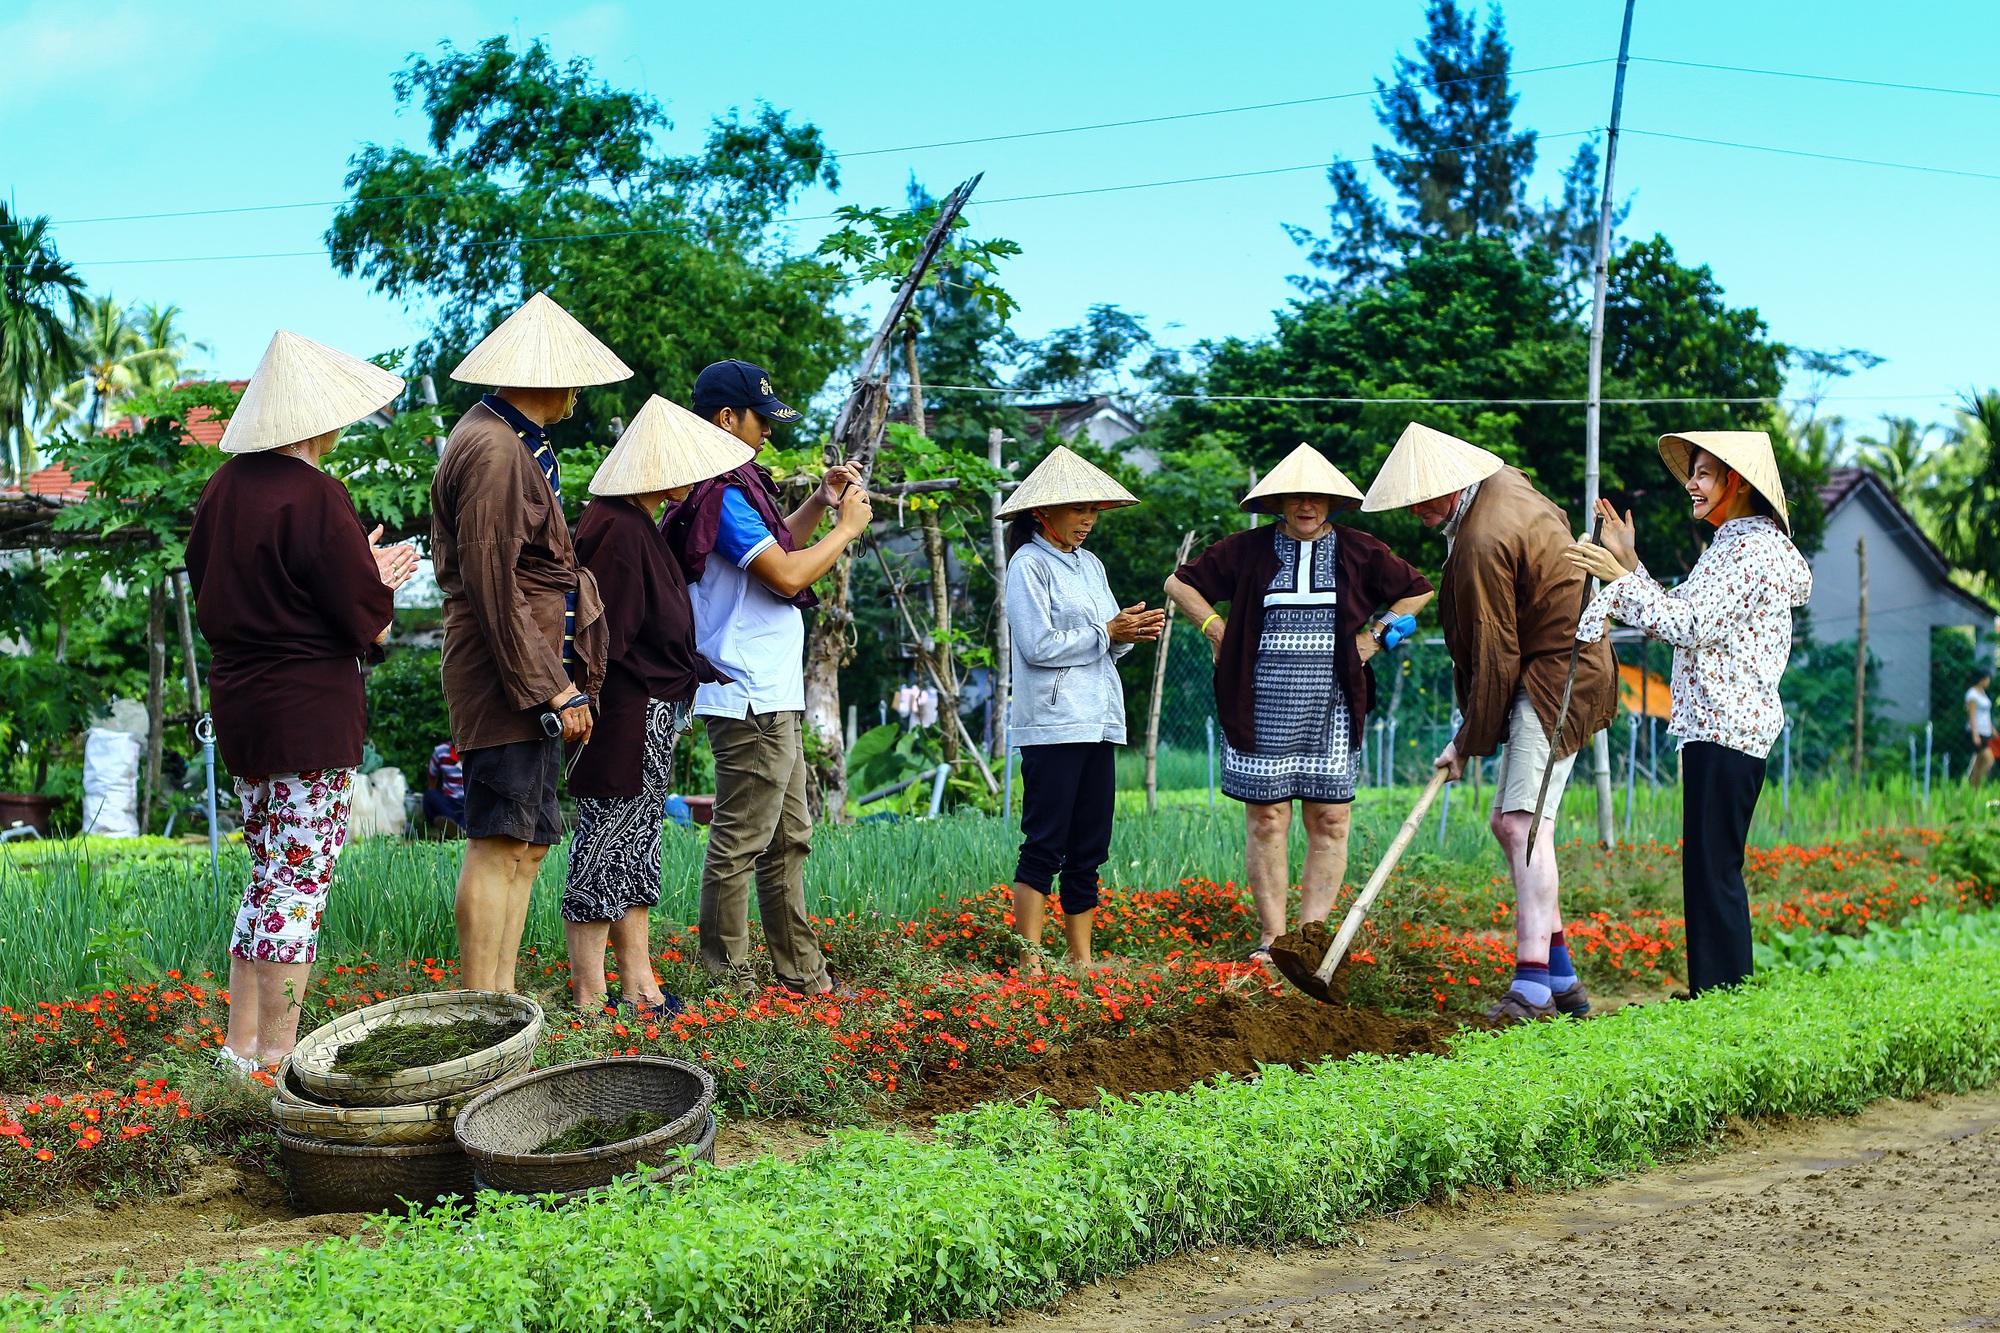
[{"x": 1888, "y": 1220}]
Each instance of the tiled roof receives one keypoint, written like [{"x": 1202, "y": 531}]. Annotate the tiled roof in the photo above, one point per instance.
[{"x": 51, "y": 483}]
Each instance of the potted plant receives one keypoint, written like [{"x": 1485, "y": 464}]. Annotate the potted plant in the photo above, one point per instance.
[{"x": 44, "y": 704}]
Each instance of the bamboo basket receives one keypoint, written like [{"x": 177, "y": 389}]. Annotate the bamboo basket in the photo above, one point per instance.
[
  {"x": 500, "y": 1128},
  {"x": 313, "y": 1059},
  {"x": 304, "y": 1116},
  {"x": 350, "y": 1178},
  {"x": 704, "y": 1151}
]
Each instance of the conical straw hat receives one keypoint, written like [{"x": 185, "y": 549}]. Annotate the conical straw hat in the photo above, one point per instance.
[
  {"x": 541, "y": 346},
  {"x": 1304, "y": 471},
  {"x": 665, "y": 447},
  {"x": 302, "y": 389},
  {"x": 1065, "y": 478},
  {"x": 1425, "y": 464},
  {"x": 1747, "y": 451}
]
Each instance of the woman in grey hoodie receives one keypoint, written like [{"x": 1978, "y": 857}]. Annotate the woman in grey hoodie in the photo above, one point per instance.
[{"x": 1068, "y": 708}]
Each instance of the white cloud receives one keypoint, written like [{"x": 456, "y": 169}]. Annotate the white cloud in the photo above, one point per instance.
[{"x": 135, "y": 54}]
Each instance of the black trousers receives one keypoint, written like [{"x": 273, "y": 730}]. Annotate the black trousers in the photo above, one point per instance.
[
  {"x": 1719, "y": 790},
  {"x": 1068, "y": 793}
]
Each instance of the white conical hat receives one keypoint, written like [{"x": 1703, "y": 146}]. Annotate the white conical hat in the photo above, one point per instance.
[
  {"x": 1305, "y": 471},
  {"x": 302, "y": 389},
  {"x": 541, "y": 346},
  {"x": 665, "y": 447},
  {"x": 1747, "y": 451},
  {"x": 1425, "y": 464},
  {"x": 1066, "y": 478}
]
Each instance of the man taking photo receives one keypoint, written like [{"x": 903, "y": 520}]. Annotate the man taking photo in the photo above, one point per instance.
[{"x": 750, "y": 568}]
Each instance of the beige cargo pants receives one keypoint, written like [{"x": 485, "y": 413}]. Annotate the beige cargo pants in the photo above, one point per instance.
[{"x": 760, "y": 826}]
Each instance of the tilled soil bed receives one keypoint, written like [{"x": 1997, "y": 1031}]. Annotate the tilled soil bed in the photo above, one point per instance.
[{"x": 1232, "y": 1034}]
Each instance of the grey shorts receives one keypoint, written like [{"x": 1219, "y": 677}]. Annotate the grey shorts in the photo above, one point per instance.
[
  {"x": 1522, "y": 761},
  {"x": 510, "y": 791}
]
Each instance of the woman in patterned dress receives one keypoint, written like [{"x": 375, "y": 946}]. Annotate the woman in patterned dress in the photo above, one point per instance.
[
  {"x": 621, "y": 775},
  {"x": 1730, "y": 622},
  {"x": 1292, "y": 684},
  {"x": 291, "y": 593}
]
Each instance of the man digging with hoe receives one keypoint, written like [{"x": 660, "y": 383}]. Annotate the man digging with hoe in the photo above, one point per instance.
[{"x": 1508, "y": 602}]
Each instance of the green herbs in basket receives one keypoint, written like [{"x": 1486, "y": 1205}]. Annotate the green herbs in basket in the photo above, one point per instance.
[
  {"x": 591, "y": 1132},
  {"x": 395, "y": 1047}
]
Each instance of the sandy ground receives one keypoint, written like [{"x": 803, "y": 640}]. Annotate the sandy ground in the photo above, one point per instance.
[{"x": 1888, "y": 1220}]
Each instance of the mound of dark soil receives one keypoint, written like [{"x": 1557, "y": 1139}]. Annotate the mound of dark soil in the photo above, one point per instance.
[{"x": 1232, "y": 1034}]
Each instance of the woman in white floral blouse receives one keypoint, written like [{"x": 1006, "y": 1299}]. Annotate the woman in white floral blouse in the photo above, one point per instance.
[{"x": 1730, "y": 622}]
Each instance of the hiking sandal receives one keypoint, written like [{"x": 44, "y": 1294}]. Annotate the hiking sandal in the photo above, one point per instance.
[
  {"x": 1574, "y": 1002},
  {"x": 1513, "y": 1007}
]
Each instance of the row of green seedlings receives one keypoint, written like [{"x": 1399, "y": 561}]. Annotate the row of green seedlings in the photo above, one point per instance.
[{"x": 1011, "y": 1206}]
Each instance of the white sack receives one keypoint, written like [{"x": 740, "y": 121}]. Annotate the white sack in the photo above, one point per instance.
[
  {"x": 111, "y": 783},
  {"x": 377, "y": 806}
]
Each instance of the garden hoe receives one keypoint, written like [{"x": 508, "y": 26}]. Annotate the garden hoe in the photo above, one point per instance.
[{"x": 1290, "y": 952}]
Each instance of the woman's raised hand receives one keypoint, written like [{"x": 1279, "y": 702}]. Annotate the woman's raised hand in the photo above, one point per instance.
[
  {"x": 1135, "y": 624},
  {"x": 1618, "y": 535}
]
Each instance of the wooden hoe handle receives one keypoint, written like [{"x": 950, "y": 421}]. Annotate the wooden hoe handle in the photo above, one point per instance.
[{"x": 1359, "y": 912}]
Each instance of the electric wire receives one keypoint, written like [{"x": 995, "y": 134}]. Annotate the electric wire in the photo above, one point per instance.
[
  {"x": 1822, "y": 157},
  {"x": 866, "y": 152},
  {"x": 1816, "y": 78},
  {"x": 1458, "y": 402},
  {"x": 692, "y": 223}
]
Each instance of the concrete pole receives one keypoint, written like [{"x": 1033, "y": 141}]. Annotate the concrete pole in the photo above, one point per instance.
[
  {"x": 1003, "y": 642},
  {"x": 1600, "y": 744},
  {"x": 1861, "y": 662}
]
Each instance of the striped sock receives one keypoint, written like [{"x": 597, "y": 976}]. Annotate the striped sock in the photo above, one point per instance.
[
  {"x": 1531, "y": 982},
  {"x": 1562, "y": 973}
]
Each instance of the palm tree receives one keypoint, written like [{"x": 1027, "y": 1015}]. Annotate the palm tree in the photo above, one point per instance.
[
  {"x": 40, "y": 294},
  {"x": 159, "y": 329},
  {"x": 116, "y": 360},
  {"x": 1900, "y": 458},
  {"x": 1968, "y": 480}
]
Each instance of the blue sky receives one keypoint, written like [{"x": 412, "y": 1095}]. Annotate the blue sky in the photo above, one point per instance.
[{"x": 121, "y": 107}]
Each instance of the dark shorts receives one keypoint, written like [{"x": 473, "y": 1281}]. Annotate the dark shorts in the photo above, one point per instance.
[{"x": 510, "y": 791}]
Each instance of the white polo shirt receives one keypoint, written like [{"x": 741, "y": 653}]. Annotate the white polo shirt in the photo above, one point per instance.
[{"x": 752, "y": 635}]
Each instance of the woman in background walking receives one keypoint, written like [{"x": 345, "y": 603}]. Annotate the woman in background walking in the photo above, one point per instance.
[
  {"x": 1068, "y": 711},
  {"x": 1730, "y": 622},
  {"x": 291, "y": 594},
  {"x": 621, "y": 775}
]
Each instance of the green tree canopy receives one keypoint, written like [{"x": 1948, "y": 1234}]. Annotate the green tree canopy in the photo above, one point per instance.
[
  {"x": 538, "y": 176},
  {"x": 1478, "y": 319}
]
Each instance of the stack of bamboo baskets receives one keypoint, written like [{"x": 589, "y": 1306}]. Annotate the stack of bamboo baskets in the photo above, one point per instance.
[{"x": 363, "y": 1144}]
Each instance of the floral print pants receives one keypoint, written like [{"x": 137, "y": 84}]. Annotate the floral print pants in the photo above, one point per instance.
[{"x": 294, "y": 825}]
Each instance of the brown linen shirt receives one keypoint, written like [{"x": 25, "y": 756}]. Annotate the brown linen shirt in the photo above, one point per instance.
[
  {"x": 1508, "y": 605},
  {"x": 1239, "y": 569},
  {"x": 503, "y": 556},
  {"x": 290, "y": 600},
  {"x": 649, "y": 651}
]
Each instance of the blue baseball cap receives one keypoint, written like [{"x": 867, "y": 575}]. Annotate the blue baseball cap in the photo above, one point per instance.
[{"x": 739, "y": 384}]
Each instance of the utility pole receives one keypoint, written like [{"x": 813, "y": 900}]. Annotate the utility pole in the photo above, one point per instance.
[
  {"x": 1600, "y": 744},
  {"x": 1003, "y": 641},
  {"x": 1861, "y": 660}
]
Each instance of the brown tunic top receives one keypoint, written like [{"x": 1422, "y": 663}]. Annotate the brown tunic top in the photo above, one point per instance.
[
  {"x": 1239, "y": 569},
  {"x": 649, "y": 642},
  {"x": 502, "y": 553},
  {"x": 289, "y": 598},
  {"x": 1508, "y": 605}
]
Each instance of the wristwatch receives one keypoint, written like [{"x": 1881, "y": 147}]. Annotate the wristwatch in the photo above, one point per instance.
[{"x": 1377, "y": 630}]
